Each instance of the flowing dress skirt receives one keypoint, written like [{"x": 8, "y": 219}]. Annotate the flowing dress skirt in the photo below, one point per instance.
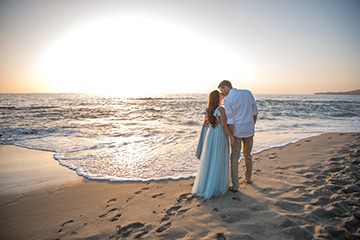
[
  {"x": 213, "y": 173},
  {"x": 200, "y": 145}
]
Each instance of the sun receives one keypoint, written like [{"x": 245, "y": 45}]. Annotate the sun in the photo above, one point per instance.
[{"x": 133, "y": 55}]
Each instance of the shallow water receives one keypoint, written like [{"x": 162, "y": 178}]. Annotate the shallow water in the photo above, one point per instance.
[{"x": 154, "y": 137}]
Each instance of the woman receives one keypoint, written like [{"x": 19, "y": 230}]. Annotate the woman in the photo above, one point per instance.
[{"x": 213, "y": 174}]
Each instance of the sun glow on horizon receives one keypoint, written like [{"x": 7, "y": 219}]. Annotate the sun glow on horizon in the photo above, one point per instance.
[{"x": 127, "y": 55}]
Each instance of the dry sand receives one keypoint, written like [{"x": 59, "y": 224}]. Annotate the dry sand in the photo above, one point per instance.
[{"x": 306, "y": 190}]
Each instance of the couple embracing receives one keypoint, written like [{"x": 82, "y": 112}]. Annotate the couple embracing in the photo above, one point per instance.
[{"x": 234, "y": 126}]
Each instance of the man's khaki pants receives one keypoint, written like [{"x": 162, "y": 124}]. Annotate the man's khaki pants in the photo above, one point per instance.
[{"x": 235, "y": 156}]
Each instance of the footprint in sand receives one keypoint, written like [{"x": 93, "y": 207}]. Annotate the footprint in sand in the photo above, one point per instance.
[
  {"x": 272, "y": 156},
  {"x": 116, "y": 217},
  {"x": 140, "y": 235},
  {"x": 143, "y": 189},
  {"x": 64, "y": 224},
  {"x": 110, "y": 202},
  {"x": 185, "y": 196},
  {"x": 157, "y": 195},
  {"x": 257, "y": 171},
  {"x": 110, "y": 211},
  {"x": 126, "y": 230},
  {"x": 163, "y": 227},
  {"x": 183, "y": 211},
  {"x": 170, "y": 212}
]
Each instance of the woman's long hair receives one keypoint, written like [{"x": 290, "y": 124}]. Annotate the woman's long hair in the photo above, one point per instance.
[{"x": 213, "y": 103}]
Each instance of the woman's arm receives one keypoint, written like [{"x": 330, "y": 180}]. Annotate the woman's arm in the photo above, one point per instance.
[{"x": 225, "y": 126}]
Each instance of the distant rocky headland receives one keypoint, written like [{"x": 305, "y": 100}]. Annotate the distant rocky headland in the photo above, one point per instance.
[{"x": 355, "y": 92}]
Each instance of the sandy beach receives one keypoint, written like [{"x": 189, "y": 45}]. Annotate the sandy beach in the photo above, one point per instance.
[{"x": 305, "y": 190}]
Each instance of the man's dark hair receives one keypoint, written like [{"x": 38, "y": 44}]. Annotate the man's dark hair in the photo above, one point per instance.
[{"x": 225, "y": 83}]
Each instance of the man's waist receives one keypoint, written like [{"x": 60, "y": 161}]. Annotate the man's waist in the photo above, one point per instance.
[
  {"x": 244, "y": 133},
  {"x": 244, "y": 137}
]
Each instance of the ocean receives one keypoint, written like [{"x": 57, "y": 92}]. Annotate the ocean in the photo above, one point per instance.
[{"x": 154, "y": 137}]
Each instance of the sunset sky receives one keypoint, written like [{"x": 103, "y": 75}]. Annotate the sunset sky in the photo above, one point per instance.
[{"x": 172, "y": 46}]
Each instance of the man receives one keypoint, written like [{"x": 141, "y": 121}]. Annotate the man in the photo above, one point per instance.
[{"x": 241, "y": 112}]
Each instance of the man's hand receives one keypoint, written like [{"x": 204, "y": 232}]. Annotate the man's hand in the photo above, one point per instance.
[
  {"x": 232, "y": 141},
  {"x": 255, "y": 118}
]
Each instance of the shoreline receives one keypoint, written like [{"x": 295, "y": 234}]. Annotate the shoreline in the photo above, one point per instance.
[
  {"x": 303, "y": 190},
  {"x": 152, "y": 179},
  {"x": 143, "y": 180}
]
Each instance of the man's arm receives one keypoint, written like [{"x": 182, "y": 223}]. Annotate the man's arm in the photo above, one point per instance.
[
  {"x": 255, "y": 109},
  {"x": 225, "y": 126},
  {"x": 232, "y": 128},
  {"x": 229, "y": 113}
]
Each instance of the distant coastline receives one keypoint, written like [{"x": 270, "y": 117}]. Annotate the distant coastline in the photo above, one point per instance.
[{"x": 354, "y": 92}]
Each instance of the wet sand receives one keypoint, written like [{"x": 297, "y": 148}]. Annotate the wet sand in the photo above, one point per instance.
[
  {"x": 23, "y": 170},
  {"x": 306, "y": 190}
]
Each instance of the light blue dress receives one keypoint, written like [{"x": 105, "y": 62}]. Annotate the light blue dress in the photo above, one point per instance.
[
  {"x": 200, "y": 145},
  {"x": 212, "y": 178}
]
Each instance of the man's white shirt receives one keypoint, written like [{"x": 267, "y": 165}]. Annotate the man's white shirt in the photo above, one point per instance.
[{"x": 240, "y": 107}]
